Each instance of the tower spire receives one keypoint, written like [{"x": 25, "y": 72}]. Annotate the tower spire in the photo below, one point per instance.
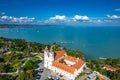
[
  {"x": 51, "y": 49},
  {"x": 46, "y": 48}
]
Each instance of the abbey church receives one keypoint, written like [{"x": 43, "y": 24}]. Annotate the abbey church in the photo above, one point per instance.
[{"x": 60, "y": 62}]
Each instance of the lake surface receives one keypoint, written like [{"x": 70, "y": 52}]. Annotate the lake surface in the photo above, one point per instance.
[{"x": 94, "y": 42}]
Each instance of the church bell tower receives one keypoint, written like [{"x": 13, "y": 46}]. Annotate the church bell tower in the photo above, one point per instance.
[{"x": 48, "y": 57}]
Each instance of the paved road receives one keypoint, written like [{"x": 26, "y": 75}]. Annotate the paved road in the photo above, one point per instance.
[
  {"x": 45, "y": 74},
  {"x": 10, "y": 73}
]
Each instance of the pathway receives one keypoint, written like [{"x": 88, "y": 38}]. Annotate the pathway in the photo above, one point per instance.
[{"x": 10, "y": 73}]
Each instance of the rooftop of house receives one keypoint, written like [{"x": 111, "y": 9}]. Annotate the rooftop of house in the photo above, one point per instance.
[
  {"x": 78, "y": 62},
  {"x": 110, "y": 67},
  {"x": 64, "y": 67},
  {"x": 70, "y": 58},
  {"x": 59, "y": 54}
]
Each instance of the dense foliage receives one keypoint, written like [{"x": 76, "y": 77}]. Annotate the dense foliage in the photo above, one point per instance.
[
  {"x": 97, "y": 65},
  {"x": 17, "y": 54}
]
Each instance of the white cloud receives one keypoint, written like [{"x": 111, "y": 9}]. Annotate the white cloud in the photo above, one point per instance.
[
  {"x": 62, "y": 19},
  {"x": 17, "y": 19},
  {"x": 96, "y": 21},
  {"x": 113, "y": 16},
  {"x": 78, "y": 17},
  {"x": 4, "y": 17},
  {"x": 58, "y": 17},
  {"x": 22, "y": 19},
  {"x": 118, "y": 9},
  {"x": 26, "y": 18}
]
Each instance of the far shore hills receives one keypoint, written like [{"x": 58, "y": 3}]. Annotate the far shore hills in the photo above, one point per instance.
[
  {"x": 22, "y": 25},
  {"x": 41, "y": 25}
]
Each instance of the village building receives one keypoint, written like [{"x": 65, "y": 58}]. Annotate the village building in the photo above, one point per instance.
[
  {"x": 59, "y": 62},
  {"x": 108, "y": 67}
]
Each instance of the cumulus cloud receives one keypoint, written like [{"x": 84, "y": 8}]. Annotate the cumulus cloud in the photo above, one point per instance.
[
  {"x": 4, "y": 17},
  {"x": 22, "y": 19},
  {"x": 16, "y": 19},
  {"x": 78, "y": 17},
  {"x": 113, "y": 16},
  {"x": 58, "y": 17},
  {"x": 96, "y": 21},
  {"x": 118, "y": 9},
  {"x": 61, "y": 20}
]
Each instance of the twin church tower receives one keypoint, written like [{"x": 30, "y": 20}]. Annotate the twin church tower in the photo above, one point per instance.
[{"x": 48, "y": 57}]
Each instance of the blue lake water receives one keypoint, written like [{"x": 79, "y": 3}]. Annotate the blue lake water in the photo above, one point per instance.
[{"x": 94, "y": 42}]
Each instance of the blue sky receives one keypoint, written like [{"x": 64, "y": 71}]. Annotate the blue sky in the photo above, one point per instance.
[{"x": 67, "y": 12}]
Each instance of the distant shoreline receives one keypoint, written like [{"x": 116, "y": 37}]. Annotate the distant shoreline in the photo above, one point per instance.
[
  {"x": 94, "y": 42},
  {"x": 35, "y": 25},
  {"x": 22, "y": 26}
]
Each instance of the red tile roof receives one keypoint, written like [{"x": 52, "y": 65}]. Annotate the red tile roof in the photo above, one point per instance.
[
  {"x": 70, "y": 58},
  {"x": 59, "y": 54},
  {"x": 79, "y": 64},
  {"x": 110, "y": 67},
  {"x": 64, "y": 67}
]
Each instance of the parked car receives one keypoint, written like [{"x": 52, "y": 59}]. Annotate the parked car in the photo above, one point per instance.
[
  {"x": 41, "y": 70},
  {"x": 41, "y": 61},
  {"x": 37, "y": 65},
  {"x": 38, "y": 76}
]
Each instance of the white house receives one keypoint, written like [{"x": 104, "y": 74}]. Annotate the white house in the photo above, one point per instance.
[{"x": 60, "y": 62}]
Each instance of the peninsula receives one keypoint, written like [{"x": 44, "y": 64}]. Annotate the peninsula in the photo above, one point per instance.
[{"x": 21, "y": 60}]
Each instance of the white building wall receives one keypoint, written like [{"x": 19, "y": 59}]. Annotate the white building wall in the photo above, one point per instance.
[
  {"x": 64, "y": 73},
  {"x": 69, "y": 75},
  {"x": 79, "y": 70},
  {"x": 48, "y": 59},
  {"x": 45, "y": 59}
]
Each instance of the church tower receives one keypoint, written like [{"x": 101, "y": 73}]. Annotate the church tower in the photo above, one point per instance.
[{"x": 48, "y": 57}]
